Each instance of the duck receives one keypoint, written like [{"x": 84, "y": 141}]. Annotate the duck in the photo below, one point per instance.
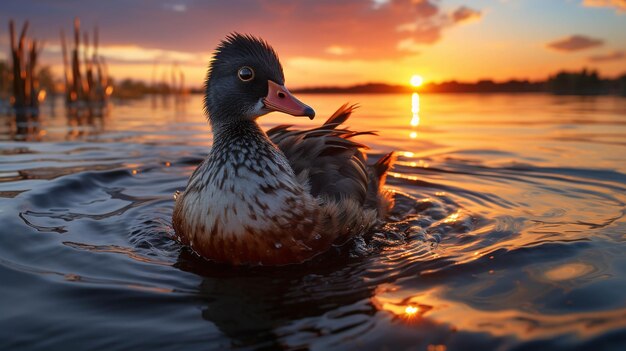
[{"x": 281, "y": 196}]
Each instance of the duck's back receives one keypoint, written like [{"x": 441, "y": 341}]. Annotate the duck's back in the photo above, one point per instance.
[{"x": 334, "y": 164}]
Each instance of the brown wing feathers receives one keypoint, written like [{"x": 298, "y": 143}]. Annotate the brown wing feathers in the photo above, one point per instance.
[{"x": 334, "y": 163}]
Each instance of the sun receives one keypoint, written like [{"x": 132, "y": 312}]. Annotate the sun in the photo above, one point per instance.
[{"x": 416, "y": 80}]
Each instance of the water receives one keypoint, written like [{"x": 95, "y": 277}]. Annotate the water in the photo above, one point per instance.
[{"x": 509, "y": 233}]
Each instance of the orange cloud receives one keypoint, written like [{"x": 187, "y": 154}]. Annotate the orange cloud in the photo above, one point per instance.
[
  {"x": 465, "y": 14},
  {"x": 409, "y": 45},
  {"x": 427, "y": 27},
  {"x": 619, "y": 5},
  {"x": 575, "y": 43},
  {"x": 339, "y": 50},
  {"x": 354, "y": 29},
  {"x": 613, "y": 56}
]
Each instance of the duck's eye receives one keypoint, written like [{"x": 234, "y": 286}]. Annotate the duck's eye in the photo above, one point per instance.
[{"x": 245, "y": 74}]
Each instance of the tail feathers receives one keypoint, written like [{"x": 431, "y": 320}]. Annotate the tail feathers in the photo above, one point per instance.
[
  {"x": 384, "y": 164},
  {"x": 377, "y": 197}
]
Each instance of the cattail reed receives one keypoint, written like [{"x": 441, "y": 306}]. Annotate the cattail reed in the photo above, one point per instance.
[
  {"x": 24, "y": 98},
  {"x": 87, "y": 85}
]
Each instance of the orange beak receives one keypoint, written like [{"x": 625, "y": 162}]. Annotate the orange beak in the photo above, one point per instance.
[{"x": 280, "y": 99}]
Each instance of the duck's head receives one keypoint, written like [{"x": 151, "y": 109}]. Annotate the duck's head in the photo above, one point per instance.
[{"x": 245, "y": 81}]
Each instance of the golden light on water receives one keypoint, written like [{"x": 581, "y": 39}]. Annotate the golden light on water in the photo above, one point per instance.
[
  {"x": 417, "y": 80},
  {"x": 568, "y": 271},
  {"x": 41, "y": 96},
  {"x": 406, "y": 311},
  {"x": 415, "y": 103},
  {"x": 415, "y": 111},
  {"x": 453, "y": 218},
  {"x": 411, "y": 310},
  {"x": 411, "y": 307}
]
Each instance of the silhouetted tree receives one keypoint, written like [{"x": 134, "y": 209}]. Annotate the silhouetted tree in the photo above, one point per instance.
[{"x": 584, "y": 82}]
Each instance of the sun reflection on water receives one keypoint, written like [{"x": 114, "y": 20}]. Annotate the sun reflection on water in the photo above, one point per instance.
[
  {"x": 452, "y": 218},
  {"x": 408, "y": 311},
  {"x": 410, "y": 307},
  {"x": 415, "y": 110},
  {"x": 411, "y": 310}
]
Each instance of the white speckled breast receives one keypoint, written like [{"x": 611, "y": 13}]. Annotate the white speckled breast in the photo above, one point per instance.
[{"x": 245, "y": 196}]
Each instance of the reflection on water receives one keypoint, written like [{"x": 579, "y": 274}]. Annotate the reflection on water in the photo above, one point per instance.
[
  {"x": 415, "y": 110},
  {"x": 80, "y": 123},
  {"x": 433, "y": 308},
  {"x": 568, "y": 271},
  {"x": 507, "y": 233}
]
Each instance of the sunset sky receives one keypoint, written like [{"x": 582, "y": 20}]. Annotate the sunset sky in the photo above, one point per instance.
[{"x": 323, "y": 42}]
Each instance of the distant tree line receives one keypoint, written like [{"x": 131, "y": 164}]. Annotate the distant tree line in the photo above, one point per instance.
[
  {"x": 136, "y": 89},
  {"x": 584, "y": 82},
  {"x": 486, "y": 86}
]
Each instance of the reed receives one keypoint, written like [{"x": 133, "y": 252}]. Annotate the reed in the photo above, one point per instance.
[
  {"x": 24, "y": 98},
  {"x": 4, "y": 88},
  {"x": 87, "y": 83}
]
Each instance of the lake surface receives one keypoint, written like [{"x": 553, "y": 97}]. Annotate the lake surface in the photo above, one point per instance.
[{"x": 509, "y": 233}]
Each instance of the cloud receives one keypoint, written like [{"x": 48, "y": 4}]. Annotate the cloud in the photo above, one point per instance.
[
  {"x": 378, "y": 3},
  {"x": 619, "y": 5},
  {"x": 424, "y": 8},
  {"x": 409, "y": 45},
  {"x": 339, "y": 50},
  {"x": 176, "y": 7},
  {"x": 575, "y": 43},
  {"x": 428, "y": 27},
  {"x": 133, "y": 54},
  {"x": 613, "y": 56},
  {"x": 421, "y": 32},
  {"x": 371, "y": 29},
  {"x": 465, "y": 14}
]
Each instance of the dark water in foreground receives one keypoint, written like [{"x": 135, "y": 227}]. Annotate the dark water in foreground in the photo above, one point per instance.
[{"x": 510, "y": 234}]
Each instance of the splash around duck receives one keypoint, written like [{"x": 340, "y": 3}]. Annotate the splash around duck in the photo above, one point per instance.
[{"x": 277, "y": 197}]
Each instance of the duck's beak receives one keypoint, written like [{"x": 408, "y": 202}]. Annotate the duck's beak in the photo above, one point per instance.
[{"x": 280, "y": 99}]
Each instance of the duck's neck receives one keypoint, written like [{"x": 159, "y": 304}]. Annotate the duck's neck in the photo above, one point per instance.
[
  {"x": 243, "y": 142},
  {"x": 243, "y": 133}
]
